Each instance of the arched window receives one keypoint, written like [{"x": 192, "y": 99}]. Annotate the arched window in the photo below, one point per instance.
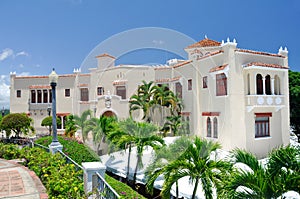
[
  {"x": 277, "y": 85},
  {"x": 208, "y": 124},
  {"x": 268, "y": 85},
  {"x": 215, "y": 127},
  {"x": 259, "y": 84}
]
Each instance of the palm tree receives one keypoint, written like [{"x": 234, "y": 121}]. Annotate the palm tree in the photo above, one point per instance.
[
  {"x": 100, "y": 127},
  {"x": 122, "y": 137},
  {"x": 145, "y": 137},
  {"x": 195, "y": 162},
  {"x": 280, "y": 175},
  {"x": 82, "y": 121},
  {"x": 143, "y": 99},
  {"x": 174, "y": 124},
  {"x": 131, "y": 133},
  {"x": 163, "y": 156}
]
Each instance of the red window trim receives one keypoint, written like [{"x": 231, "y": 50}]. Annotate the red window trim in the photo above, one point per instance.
[
  {"x": 185, "y": 113},
  {"x": 263, "y": 114},
  {"x": 210, "y": 113},
  {"x": 62, "y": 114}
]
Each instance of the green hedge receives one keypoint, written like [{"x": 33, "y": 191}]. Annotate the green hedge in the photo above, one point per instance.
[
  {"x": 74, "y": 149},
  {"x": 60, "y": 179},
  {"x": 122, "y": 189}
]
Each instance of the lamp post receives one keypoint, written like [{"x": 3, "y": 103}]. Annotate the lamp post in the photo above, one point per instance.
[{"x": 55, "y": 145}]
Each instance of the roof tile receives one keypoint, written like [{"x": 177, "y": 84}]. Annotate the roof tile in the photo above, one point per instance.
[{"x": 205, "y": 43}]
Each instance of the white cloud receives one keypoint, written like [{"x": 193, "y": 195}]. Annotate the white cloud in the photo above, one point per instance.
[
  {"x": 21, "y": 65},
  {"x": 4, "y": 91},
  {"x": 22, "y": 53},
  {"x": 24, "y": 74},
  {"x": 6, "y": 53}
]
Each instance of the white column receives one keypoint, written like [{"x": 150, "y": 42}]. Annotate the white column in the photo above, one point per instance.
[
  {"x": 62, "y": 122},
  {"x": 272, "y": 85},
  {"x": 90, "y": 176},
  {"x": 264, "y": 84}
]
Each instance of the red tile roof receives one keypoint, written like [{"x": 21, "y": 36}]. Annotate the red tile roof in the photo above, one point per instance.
[
  {"x": 39, "y": 87},
  {"x": 105, "y": 55},
  {"x": 217, "y": 68},
  {"x": 205, "y": 43},
  {"x": 182, "y": 63},
  {"x": 168, "y": 79},
  {"x": 258, "y": 53},
  {"x": 266, "y": 65}
]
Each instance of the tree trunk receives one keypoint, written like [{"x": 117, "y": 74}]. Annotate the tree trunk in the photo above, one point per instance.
[
  {"x": 177, "y": 190},
  {"x": 128, "y": 164},
  {"x": 136, "y": 167},
  {"x": 195, "y": 188}
]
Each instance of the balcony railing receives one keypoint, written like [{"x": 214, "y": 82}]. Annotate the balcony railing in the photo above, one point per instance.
[
  {"x": 104, "y": 190},
  {"x": 265, "y": 100},
  {"x": 39, "y": 106}
]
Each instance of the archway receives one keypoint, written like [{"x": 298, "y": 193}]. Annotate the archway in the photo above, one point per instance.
[{"x": 109, "y": 114}]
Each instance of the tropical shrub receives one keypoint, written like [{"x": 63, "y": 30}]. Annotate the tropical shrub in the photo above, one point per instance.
[
  {"x": 76, "y": 150},
  {"x": 122, "y": 189},
  {"x": 9, "y": 151}
]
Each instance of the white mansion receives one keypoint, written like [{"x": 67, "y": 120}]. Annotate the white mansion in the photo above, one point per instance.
[{"x": 235, "y": 96}]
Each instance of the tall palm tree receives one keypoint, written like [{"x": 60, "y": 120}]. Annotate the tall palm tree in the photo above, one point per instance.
[
  {"x": 281, "y": 174},
  {"x": 145, "y": 137},
  {"x": 162, "y": 157},
  {"x": 195, "y": 162},
  {"x": 123, "y": 137},
  {"x": 143, "y": 99},
  {"x": 81, "y": 122}
]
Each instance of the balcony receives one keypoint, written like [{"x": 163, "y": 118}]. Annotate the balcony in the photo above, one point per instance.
[
  {"x": 39, "y": 106},
  {"x": 276, "y": 101}
]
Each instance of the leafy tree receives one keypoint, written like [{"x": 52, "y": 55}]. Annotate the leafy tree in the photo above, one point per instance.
[
  {"x": 81, "y": 122},
  {"x": 280, "y": 175},
  {"x": 294, "y": 87},
  {"x": 174, "y": 124},
  {"x": 71, "y": 127},
  {"x": 47, "y": 122},
  {"x": 196, "y": 163},
  {"x": 17, "y": 123}
]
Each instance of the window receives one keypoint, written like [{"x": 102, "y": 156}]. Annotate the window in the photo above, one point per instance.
[
  {"x": 208, "y": 124},
  {"x": 18, "y": 93},
  {"x": 45, "y": 96},
  {"x": 100, "y": 91},
  {"x": 221, "y": 84},
  {"x": 215, "y": 127},
  {"x": 178, "y": 89},
  {"x": 33, "y": 96},
  {"x": 277, "y": 85},
  {"x": 121, "y": 91},
  {"x": 84, "y": 94},
  {"x": 39, "y": 96},
  {"x": 190, "y": 84},
  {"x": 262, "y": 124},
  {"x": 268, "y": 85},
  {"x": 67, "y": 92},
  {"x": 204, "y": 82},
  {"x": 50, "y": 96},
  {"x": 259, "y": 84}
]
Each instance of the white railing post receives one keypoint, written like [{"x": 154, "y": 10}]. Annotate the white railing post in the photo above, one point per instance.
[{"x": 90, "y": 176}]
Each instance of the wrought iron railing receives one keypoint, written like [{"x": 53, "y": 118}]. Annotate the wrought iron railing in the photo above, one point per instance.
[
  {"x": 104, "y": 190},
  {"x": 41, "y": 146}
]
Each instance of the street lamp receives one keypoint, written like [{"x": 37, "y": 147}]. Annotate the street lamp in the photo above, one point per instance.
[{"x": 55, "y": 145}]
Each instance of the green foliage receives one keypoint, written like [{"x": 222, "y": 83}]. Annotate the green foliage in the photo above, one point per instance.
[
  {"x": 47, "y": 122},
  {"x": 281, "y": 174},
  {"x": 294, "y": 87},
  {"x": 17, "y": 123},
  {"x": 60, "y": 179},
  {"x": 81, "y": 121},
  {"x": 77, "y": 151},
  {"x": 71, "y": 127},
  {"x": 9, "y": 151},
  {"x": 122, "y": 189}
]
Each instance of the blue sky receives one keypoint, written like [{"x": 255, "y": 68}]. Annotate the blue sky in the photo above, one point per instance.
[{"x": 37, "y": 35}]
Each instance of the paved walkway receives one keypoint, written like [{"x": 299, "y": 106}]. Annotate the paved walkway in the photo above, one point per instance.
[{"x": 18, "y": 182}]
